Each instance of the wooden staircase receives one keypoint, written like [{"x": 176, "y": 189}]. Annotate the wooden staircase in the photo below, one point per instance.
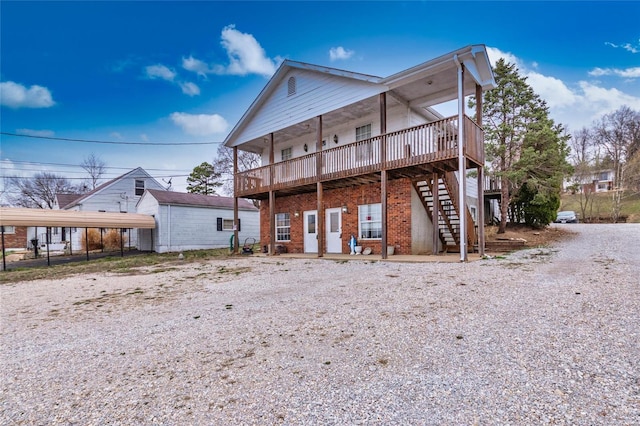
[{"x": 446, "y": 186}]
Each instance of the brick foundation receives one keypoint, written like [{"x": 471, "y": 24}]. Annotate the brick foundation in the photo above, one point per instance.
[{"x": 398, "y": 215}]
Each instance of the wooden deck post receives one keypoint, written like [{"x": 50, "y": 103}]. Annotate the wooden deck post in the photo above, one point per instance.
[
  {"x": 383, "y": 172},
  {"x": 480, "y": 218},
  {"x": 462, "y": 165},
  {"x": 319, "y": 189},
  {"x": 272, "y": 200},
  {"x": 235, "y": 200}
]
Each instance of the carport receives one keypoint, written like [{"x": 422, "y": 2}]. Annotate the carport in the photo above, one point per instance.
[{"x": 10, "y": 216}]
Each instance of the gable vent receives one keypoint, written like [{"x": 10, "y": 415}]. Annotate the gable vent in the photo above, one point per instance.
[{"x": 291, "y": 86}]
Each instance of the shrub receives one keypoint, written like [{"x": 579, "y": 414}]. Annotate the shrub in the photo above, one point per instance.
[{"x": 110, "y": 239}]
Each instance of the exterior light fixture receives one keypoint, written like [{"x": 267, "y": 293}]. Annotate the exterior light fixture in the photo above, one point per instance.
[
  {"x": 335, "y": 138},
  {"x": 305, "y": 147},
  {"x": 296, "y": 213},
  {"x": 345, "y": 209}
]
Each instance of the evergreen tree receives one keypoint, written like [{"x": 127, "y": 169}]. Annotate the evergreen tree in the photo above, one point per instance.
[
  {"x": 204, "y": 179},
  {"x": 518, "y": 131}
]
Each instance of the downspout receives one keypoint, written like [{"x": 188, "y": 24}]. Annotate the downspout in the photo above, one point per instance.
[
  {"x": 461, "y": 163},
  {"x": 169, "y": 227}
]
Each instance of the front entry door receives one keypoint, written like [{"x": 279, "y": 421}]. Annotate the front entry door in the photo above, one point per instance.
[
  {"x": 310, "y": 231},
  {"x": 334, "y": 230}
]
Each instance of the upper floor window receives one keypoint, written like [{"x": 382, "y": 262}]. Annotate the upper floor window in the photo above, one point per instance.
[
  {"x": 139, "y": 187},
  {"x": 291, "y": 86},
  {"x": 363, "y": 132},
  {"x": 286, "y": 153}
]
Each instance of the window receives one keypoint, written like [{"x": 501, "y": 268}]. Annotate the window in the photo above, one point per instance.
[
  {"x": 370, "y": 221},
  {"x": 8, "y": 229},
  {"x": 283, "y": 227},
  {"x": 364, "y": 150},
  {"x": 291, "y": 86},
  {"x": 286, "y": 153},
  {"x": 139, "y": 187},
  {"x": 226, "y": 224},
  {"x": 363, "y": 132}
]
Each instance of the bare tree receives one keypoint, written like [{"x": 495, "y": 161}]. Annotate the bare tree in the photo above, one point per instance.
[
  {"x": 40, "y": 190},
  {"x": 224, "y": 164},
  {"x": 582, "y": 156},
  {"x": 95, "y": 167},
  {"x": 618, "y": 133}
]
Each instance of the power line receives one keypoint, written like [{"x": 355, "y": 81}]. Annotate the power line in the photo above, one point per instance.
[
  {"x": 109, "y": 142},
  {"x": 6, "y": 160}
]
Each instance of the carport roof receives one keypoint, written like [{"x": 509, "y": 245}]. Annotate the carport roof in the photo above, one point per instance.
[{"x": 76, "y": 219}]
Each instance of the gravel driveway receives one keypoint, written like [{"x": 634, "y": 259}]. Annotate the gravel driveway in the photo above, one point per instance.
[{"x": 541, "y": 336}]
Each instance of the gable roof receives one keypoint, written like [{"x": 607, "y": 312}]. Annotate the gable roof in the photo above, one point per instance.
[
  {"x": 107, "y": 184},
  {"x": 64, "y": 199},
  {"x": 198, "y": 200},
  {"x": 424, "y": 85}
]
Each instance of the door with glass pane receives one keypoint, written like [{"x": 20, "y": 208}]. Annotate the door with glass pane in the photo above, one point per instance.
[
  {"x": 334, "y": 230},
  {"x": 310, "y": 231}
]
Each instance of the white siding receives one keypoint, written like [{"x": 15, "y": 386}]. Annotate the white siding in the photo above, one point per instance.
[
  {"x": 182, "y": 228},
  {"x": 397, "y": 118},
  {"x": 316, "y": 93}
]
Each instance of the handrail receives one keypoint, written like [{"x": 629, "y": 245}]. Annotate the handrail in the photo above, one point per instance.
[{"x": 419, "y": 144}]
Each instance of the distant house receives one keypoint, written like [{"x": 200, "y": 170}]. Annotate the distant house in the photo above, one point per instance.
[
  {"x": 599, "y": 181},
  {"x": 193, "y": 221},
  {"x": 117, "y": 195}
]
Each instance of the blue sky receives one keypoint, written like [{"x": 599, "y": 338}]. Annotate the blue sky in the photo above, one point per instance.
[{"x": 184, "y": 72}]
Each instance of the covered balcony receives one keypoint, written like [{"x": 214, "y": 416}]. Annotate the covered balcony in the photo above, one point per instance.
[{"x": 410, "y": 152}]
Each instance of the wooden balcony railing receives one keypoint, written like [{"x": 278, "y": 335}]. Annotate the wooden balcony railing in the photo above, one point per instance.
[{"x": 426, "y": 143}]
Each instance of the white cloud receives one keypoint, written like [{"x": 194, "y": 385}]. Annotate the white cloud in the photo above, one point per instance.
[
  {"x": 160, "y": 71},
  {"x": 38, "y": 133},
  {"x": 574, "y": 104},
  {"x": 116, "y": 135},
  {"x": 246, "y": 56},
  {"x": 189, "y": 88},
  {"x": 626, "y": 46},
  {"x": 144, "y": 137},
  {"x": 336, "y": 53},
  {"x": 15, "y": 95},
  {"x": 197, "y": 66},
  {"x": 633, "y": 72},
  {"x": 200, "y": 124}
]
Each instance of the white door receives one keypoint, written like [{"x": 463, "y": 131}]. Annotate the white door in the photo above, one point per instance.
[
  {"x": 334, "y": 230},
  {"x": 310, "y": 231}
]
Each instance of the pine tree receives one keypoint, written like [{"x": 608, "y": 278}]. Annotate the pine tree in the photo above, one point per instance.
[
  {"x": 518, "y": 131},
  {"x": 203, "y": 180}
]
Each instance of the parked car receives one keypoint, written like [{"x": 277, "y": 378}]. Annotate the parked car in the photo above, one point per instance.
[{"x": 567, "y": 216}]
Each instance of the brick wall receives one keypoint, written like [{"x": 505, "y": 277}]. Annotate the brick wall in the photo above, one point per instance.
[
  {"x": 398, "y": 215},
  {"x": 16, "y": 240}
]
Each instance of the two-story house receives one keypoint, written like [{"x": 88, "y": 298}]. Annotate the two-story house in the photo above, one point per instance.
[{"x": 347, "y": 154}]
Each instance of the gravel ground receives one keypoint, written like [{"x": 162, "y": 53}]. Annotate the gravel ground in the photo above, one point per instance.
[{"x": 541, "y": 336}]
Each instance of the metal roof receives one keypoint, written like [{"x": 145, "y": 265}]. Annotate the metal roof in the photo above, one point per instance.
[{"x": 77, "y": 219}]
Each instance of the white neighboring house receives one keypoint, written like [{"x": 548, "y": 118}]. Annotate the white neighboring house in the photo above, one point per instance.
[
  {"x": 194, "y": 221},
  {"x": 599, "y": 181},
  {"x": 120, "y": 194}
]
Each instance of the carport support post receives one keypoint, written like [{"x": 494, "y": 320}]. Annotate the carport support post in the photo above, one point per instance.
[
  {"x": 235, "y": 200},
  {"x": 46, "y": 232},
  {"x": 70, "y": 241},
  {"x": 4, "y": 258},
  {"x": 86, "y": 241},
  {"x": 101, "y": 243},
  {"x": 121, "y": 242}
]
